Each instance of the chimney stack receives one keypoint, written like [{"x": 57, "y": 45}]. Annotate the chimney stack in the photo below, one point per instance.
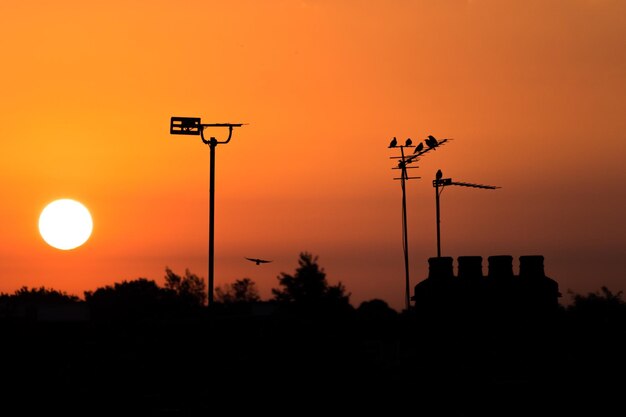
[
  {"x": 470, "y": 267},
  {"x": 440, "y": 267},
  {"x": 531, "y": 266}
]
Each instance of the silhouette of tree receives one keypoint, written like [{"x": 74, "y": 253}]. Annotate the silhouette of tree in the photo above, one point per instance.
[
  {"x": 375, "y": 317},
  {"x": 136, "y": 299},
  {"x": 189, "y": 288},
  {"x": 308, "y": 289},
  {"x": 599, "y": 307},
  {"x": 25, "y": 302},
  {"x": 595, "y": 340},
  {"x": 43, "y": 295},
  {"x": 376, "y": 309},
  {"x": 241, "y": 291}
]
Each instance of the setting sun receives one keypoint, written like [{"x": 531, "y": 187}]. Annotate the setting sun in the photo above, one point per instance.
[{"x": 65, "y": 224}]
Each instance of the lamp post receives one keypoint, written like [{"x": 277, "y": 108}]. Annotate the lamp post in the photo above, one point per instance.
[
  {"x": 194, "y": 126},
  {"x": 439, "y": 183}
]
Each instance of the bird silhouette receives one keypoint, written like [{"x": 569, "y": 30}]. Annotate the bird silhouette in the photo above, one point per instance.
[
  {"x": 393, "y": 142},
  {"x": 258, "y": 261},
  {"x": 431, "y": 141},
  {"x": 438, "y": 175},
  {"x": 408, "y": 142},
  {"x": 419, "y": 147}
]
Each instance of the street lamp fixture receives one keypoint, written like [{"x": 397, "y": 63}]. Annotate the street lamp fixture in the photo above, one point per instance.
[
  {"x": 185, "y": 126},
  {"x": 194, "y": 126}
]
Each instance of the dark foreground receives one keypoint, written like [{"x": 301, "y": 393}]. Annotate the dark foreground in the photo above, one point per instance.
[{"x": 235, "y": 363}]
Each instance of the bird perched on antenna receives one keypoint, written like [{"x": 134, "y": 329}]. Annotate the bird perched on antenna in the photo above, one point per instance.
[
  {"x": 431, "y": 141},
  {"x": 258, "y": 261},
  {"x": 393, "y": 142},
  {"x": 438, "y": 175},
  {"x": 408, "y": 142},
  {"x": 419, "y": 147}
]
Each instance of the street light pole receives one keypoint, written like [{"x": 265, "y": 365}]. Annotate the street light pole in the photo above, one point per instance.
[
  {"x": 194, "y": 126},
  {"x": 212, "y": 145}
]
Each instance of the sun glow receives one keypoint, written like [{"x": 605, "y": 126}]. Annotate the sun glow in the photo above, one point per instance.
[{"x": 65, "y": 224}]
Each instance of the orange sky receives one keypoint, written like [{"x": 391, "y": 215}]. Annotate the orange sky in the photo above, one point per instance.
[{"x": 533, "y": 93}]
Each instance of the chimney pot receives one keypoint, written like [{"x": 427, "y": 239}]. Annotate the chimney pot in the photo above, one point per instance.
[
  {"x": 531, "y": 266},
  {"x": 470, "y": 267},
  {"x": 440, "y": 267}
]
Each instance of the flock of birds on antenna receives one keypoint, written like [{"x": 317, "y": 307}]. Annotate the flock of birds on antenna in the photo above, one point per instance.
[{"x": 430, "y": 141}]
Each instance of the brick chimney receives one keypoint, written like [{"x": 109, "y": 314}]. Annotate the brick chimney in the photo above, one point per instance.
[
  {"x": 531, "y": 266},
  {"x": 440, "y": 267},
  {"x": 470, "y": 267}
]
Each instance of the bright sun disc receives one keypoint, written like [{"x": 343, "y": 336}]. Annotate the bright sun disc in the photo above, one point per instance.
[{"x": 65, "y": 224}]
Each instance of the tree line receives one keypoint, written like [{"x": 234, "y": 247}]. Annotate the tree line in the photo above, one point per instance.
[
  {"x": 306, "y": 291},
  {"x": 145, "y": 345}
]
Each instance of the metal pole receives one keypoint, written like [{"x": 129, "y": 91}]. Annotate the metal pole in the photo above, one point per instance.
[
  {"x": 212, "y": 146},
  {"x": 194, "y": 126},
  {"x": 406, "y": 249},
  {"x": 438, "y": 218},
  {"x": 404, "y": 231}
]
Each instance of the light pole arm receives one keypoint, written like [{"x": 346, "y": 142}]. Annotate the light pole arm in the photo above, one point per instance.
[{"x": 213, "y": 141}]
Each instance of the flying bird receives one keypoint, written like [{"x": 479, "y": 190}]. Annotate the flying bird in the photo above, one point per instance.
[
  {"x": 258, "y": 261},
  {"x": 408, "y": 142},
  {"x": 419, "y": 147}
]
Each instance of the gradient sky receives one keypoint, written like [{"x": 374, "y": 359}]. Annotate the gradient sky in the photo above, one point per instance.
[{"x": 533, "y": 93}]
